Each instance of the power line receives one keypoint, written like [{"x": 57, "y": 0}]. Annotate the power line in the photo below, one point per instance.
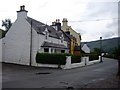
[{"x": 94, "y": 20}]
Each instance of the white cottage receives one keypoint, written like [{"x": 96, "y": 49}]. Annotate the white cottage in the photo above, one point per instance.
[
  {"x": 85, "y": 48},
  {"x": 28, "y": 36}
]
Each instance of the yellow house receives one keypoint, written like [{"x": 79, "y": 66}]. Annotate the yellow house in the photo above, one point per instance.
[
  {"x": 72, "y": 32},
  {"x": 74, "y": 37}
]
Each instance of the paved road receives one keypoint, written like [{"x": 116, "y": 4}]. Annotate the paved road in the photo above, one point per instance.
[{"x": 15, "y": 76}]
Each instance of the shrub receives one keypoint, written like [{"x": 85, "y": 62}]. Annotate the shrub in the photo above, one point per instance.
[
  {"x": 110, "y": 56},
  {"x": 59, "y": 59},
  {"x": 92, "y": 56},
  {"x": 46, "y": 58},
  {"x": 75, "y": 58}
]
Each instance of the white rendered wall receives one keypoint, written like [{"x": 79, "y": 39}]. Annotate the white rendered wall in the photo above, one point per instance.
[
  {"x": 16, "y": 45},
  {"x": 41, "y": 39},
  {"x": 35, "y": 47},
  {"x": 85, "y": 48}
]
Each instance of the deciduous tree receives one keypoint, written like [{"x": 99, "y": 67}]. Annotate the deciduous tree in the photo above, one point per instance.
[{"x": 7, "y": 24}]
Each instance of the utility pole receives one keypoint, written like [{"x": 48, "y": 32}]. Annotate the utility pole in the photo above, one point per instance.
[{"x": 101, "y": 49}]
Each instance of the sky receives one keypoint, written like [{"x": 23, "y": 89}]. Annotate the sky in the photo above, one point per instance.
[{"x": 91, "y": 18}]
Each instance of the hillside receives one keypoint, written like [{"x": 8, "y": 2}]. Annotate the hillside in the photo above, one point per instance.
[{"x": 107, "y": 44}]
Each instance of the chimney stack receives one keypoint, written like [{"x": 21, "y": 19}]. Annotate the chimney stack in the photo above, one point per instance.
[
  {"x": 22, "y": 13},
  {"x": 65, "y": 22}
]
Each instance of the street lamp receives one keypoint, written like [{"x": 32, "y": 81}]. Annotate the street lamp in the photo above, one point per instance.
[{"x": 101, "y": 49}]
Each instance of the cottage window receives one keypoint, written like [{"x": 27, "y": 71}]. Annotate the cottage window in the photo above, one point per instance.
[
  {"x": 46, "y": 32},
  {"x": 46, "y": 50},
  {"x": 62, "y": 38},
  {"x": 62, "y": 51}
]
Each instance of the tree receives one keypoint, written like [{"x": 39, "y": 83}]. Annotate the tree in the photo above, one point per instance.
[
  {"x": 96, "y": 51},
  {"x": 7, "y": 24}
]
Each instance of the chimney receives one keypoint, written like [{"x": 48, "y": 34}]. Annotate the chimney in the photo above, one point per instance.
[
  {"x": 22, "y": 13},
  {"x": 56, "y": 24},
  {"x": 65, "y": 22}
]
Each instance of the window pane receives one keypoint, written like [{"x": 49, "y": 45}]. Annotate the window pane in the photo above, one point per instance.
[
  {"x": 62, "y": 51},
  {"x": 46, "y": 49}
]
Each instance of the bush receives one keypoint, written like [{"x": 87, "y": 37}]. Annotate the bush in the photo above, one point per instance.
[
  {"x": 46, "y": 58},
  {"x": 92, "y": 56},
  {"x": 75, "y": 58},
  {"x": 59, "y": 59},
  {"x": 110, "y": 56}
]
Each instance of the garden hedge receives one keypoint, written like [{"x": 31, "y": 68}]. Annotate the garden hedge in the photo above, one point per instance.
[
  {"x": 92, "y": 56},
  {"x": 59, "y": 59}
]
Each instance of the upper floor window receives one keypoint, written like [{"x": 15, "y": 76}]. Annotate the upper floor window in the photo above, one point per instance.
[
  {"x": 46, "y": 50},
  {"x": 62, "y": 38},
  {"x": 46, "y": 32}
]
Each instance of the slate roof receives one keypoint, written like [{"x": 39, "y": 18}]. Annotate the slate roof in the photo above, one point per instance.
[
  {"x": 54, "y": 45},
  {"x": 40, "y": 27}
]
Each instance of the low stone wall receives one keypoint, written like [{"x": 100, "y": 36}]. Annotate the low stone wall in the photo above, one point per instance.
[
  {"x": 68, "y": 64},
  {"x": 84, "y": 61}
]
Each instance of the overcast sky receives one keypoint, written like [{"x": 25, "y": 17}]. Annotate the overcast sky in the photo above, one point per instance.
[{"x": 91, "y": 18}]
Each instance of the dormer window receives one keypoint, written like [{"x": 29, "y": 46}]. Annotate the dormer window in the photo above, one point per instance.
[
  {"x": 62, "y": 38},
  {"x": 46, "y": 32}
]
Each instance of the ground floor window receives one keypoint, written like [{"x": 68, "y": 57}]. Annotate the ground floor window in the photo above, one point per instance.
[
  {"x": 46, "y": 50},
  {"x": 62, "y": 51},
  {"x": 51, "y": 50}
]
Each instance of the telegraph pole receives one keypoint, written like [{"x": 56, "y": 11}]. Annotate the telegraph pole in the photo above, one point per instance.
[{"x": 101, "y": 49}]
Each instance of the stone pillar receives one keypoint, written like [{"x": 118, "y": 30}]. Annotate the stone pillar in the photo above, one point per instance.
[
  {"x": 68, "y": 62},
  {"x": 85, "y": 60}
]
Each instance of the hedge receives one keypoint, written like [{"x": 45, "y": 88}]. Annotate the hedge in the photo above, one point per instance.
[
  {"x": 59, "y": 59},
  {"x": 92, "y": 56},
  {"x": 75, "y": 58},
  {"x": 110, "y": 56}
]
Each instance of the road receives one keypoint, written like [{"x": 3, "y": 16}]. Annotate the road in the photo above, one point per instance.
[{"x": 16, "y": 76}]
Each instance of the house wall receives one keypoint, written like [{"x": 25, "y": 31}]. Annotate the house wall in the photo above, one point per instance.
[
  {"x": 50, "y": 39},
  {"x": 16, "y": 44},
  {"x": 72, "y": 32},
  {"x": 77, "y": 53},
  {"x": 85, "y": 48},
  {"x": 38, "y": 40}
]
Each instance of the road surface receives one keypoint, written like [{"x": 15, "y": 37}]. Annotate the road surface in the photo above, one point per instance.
[{"x": 16, "y": 76}]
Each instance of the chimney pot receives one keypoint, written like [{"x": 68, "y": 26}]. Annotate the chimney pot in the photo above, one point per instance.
[{"x": 23, "y": 7}]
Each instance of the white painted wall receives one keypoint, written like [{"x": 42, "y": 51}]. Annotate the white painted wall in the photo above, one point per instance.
[
  {"x": 37, "y": 41},
  {"x": 35, "y": 46},
  {"x": 84, "y": 61},
  {"x": 16, "y": 45},
  {"x": 85, "y": 48}
]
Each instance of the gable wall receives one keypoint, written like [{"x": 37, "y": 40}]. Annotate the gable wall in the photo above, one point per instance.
[{"x": 16, "y": 44}]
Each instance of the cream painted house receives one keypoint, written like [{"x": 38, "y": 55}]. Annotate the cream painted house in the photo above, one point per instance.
[
  {"x": 28, "y": 36},
  {"x": 72, "y": 32}
]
